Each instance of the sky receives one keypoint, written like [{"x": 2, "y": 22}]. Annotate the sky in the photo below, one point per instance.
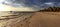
[
  {"x": 41, "y": 3},
  {"x": 32, "y": 3},
  {"x": 35, "y": 4}
]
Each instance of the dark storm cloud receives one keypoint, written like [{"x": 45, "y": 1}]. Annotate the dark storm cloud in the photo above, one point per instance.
[{"x": 42, "y": 3}]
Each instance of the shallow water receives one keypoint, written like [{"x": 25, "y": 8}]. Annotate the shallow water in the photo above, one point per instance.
[{"x": 8, "y": 18}]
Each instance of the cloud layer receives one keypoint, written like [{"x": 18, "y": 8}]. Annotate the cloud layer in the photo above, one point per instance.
[{"x": 34, "y": 4}]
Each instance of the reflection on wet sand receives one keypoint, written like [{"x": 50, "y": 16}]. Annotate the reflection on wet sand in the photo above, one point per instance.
[{"x": 9, "y": 19}]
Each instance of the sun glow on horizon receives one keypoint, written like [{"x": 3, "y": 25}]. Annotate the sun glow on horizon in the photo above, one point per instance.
[
  {"x": 11, "y": 8},
  {"x": 4, "y": 7}
]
